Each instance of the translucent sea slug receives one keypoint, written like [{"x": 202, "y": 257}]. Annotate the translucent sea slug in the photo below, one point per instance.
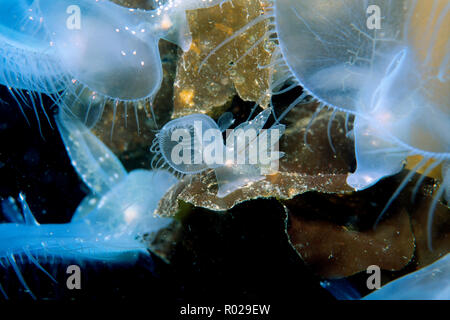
[
  {"x": 429, "y": 283},
  {"x": 194, "y": 143},
  {"x": 67, "y": 49},
  {"x": 108, "y": 224},
  {"x": 385, "y": 62},
  {"x": 383, "y": 71},
  {"x": 393, "y": 79},
  {"x": 95, "y": 164}
]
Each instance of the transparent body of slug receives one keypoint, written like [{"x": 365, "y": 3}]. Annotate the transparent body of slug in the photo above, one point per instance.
[
  {"x": 393, "y": 79},
  {"x": 341, "y": 57},
  {"x": 199, "y": 139},
  {"x": 386, "y": 62},
  {"x": 107, "y": 225},
  {"x": 429, "y": 283},
  {"x": 70, "y": 49}
]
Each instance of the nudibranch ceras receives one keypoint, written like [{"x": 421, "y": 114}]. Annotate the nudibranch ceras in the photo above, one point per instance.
[
  {"x": 192, "y": 144},
  {"x": 67, "y": 48},
  {"x": 109, "y": 224}
]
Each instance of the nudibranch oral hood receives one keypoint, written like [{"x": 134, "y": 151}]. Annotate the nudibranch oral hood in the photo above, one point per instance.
[
  {"x": 387, "y": 63},
  {"x": 194, "y": 143},
  {"x": 67, "y": 48}
]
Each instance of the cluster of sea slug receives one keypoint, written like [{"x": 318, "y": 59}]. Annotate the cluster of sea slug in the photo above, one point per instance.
[{"x": 336, "y": 111}]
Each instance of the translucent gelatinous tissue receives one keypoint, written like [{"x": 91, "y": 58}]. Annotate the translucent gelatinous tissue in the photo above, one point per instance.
[
  {"x": 109, "y": 230},
  {"x": 118, "y": 200},
  {"x": 96, "y": 165},
  {"x": 329, "y": 49},
  {"x": 27, "y": 60},
  {"x": 194, "y": 143},
  {"x": 48, "y": 46},
  {"x": 190, "y": 128},
  {"x": 429, "y": 283},
  {"x": 387, "y": 62},
  {"x": 108, "y": 224}
]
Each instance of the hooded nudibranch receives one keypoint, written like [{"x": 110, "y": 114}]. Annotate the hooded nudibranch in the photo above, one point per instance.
[
  {"x": 194, "y": 143},
  {"x": 385, "y": 62},
  {"x": 66, "y": 48},
  {"x": 392, "y": 78},
  {"x": 108, "y": 224}
]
